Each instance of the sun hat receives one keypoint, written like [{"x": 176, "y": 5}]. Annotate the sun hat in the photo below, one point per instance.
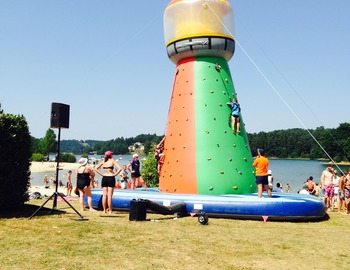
[
  {"x": 135, "y": 155},
  {"x": 83, "y": 161},
  {"x": 109, "y": 154}
]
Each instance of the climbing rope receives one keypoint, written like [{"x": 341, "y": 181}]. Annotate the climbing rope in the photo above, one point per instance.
[{"x": 206, "y": 3}]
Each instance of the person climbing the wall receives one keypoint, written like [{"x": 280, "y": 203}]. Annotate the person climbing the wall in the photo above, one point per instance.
[
  {"x": 235, "y": 115},
  {"x": 159, "y": 155}
]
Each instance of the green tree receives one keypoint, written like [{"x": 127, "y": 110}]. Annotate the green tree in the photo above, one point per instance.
[
  {"x": 48, "y": 144},
  {"x": 37, "y": 157},
  {"x": 67, "y": 157},
  {"x": 149, "y": 169},
  {"x": 15, "y": 154}
]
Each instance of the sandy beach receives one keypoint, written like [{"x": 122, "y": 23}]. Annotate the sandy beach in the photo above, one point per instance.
[
  {"x": 50, "y": 168},
  {"x": 38, "y": 167},
  {"x": 49, "y": 191}
]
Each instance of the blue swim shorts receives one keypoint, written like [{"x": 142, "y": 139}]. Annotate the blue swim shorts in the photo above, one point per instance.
[{"x": 262, "y": 180}]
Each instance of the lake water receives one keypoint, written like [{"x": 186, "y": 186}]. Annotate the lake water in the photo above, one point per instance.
[{"x": 293, "y": 172}]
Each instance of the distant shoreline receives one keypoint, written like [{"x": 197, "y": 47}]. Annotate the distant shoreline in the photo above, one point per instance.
[
  {"x": 322, "y": 161},
  {"x": 40, "y": 167},
  {"x": 342, "y": 163}
]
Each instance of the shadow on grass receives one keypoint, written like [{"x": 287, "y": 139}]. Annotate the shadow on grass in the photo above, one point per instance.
[{"x": 28, "y": 209}]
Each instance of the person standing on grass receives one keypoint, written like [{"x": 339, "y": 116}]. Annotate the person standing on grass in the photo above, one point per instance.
[
  {"x": 108, "y": 179},
  {"x": 261, "y": 164},
  {"x": 136, "y": 177},
  {"x": 342, "y": 193},
  {"x": 327, "y": 186},
  {"x": 84, "y": 183},
  {"x": 335, "y": 198}
]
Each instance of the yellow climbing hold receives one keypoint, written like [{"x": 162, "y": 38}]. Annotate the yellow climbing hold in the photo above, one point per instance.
[
  {"x": 235, "y": 187},
  {"x": 222, "y": 172},
  {"x": 209, "y": 158},
  {"x": 212, "y": 91}
]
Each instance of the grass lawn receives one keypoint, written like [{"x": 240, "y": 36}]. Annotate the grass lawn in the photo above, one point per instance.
[{"x": 57, "y": 241}]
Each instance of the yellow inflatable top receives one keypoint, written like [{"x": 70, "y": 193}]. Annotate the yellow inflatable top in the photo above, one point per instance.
[{"x": 196, "y": 18}]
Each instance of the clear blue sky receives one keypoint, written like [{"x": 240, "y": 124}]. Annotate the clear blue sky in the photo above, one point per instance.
[{"x": 107, "y": 60}]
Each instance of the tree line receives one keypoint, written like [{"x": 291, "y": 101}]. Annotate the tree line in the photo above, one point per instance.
[
  {"x": 42, "y": 148},
  {"x": 290, "y": 143},
  {"x": 300, "y": 143}
]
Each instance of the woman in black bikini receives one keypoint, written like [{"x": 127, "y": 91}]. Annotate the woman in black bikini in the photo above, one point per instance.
[
  {"x": 84, "y": 176},
  {"x": 108, "y": 179}
]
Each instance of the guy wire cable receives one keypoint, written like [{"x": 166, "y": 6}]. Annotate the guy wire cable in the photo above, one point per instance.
[
  {"x": 302, "y": 100},
  {"x": 271, "y": 85}
]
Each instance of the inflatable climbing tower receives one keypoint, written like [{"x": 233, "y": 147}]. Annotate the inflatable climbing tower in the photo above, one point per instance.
[{"x": 202, "y": 154}]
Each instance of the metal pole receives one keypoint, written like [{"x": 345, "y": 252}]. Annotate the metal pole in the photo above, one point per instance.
[{"x": 57, "y": 168}]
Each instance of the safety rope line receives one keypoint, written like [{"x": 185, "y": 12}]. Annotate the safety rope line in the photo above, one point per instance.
[{"x": 270, "y": 84}]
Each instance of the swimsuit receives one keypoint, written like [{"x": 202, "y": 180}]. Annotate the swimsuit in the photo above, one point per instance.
[{"x": 83, "y": 180}]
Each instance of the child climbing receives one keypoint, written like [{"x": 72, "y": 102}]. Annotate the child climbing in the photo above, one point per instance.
[
  {"x": 159, "y": 156},
  {"x": 235, "y": 115}
]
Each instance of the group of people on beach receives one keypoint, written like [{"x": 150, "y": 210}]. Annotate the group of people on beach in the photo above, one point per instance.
[{"x": 334, "y": 189}]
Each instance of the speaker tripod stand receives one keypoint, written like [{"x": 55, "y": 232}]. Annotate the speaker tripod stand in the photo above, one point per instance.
[{"x": 56, "y": 193}]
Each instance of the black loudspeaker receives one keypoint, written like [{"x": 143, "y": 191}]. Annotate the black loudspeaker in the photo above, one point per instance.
[
  {"x": 137, "y": 210},
  {"x": 59, "y": 115}
]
